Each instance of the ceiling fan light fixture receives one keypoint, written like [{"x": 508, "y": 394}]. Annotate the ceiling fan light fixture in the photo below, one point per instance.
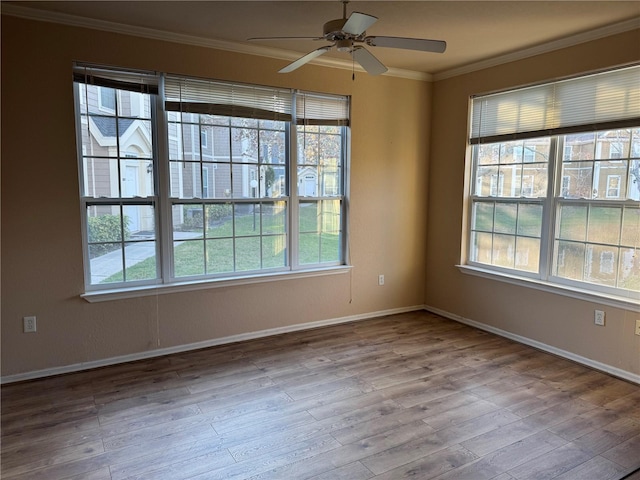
[{"x": 344, "y": 46}]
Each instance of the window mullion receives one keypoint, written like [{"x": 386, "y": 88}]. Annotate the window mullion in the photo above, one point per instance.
[
  {"x": 549, "y": 208},
  {"x": 294, "y": 200},
  {"x": 164, "y": 206},
  {"x": 346, "y": 143}
]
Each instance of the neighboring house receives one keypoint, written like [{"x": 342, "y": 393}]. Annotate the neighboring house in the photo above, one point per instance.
[
  {"x": 105, "y": 140},
  {"x": 594, "y": 168},
  {"x": 209, "y": 161}
]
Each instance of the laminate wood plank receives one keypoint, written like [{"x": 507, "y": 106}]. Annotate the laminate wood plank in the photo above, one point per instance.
[
  {"x": 397, "y": 446},
  {"x": 555, "y": 463},
  {"x": 501, "y": 437},
  {"x": 629, "y": 404},
  {"x": 608, "y": 392},
  {"x": 457, "y": 415},
  {"x": 558, "y": 413},
  {"x": 499, "y": 463},
  {"x": 411, "y": 450},
  {"x": 217, "y": 388},
  {"x": 135, "y": 387},
  {"x": 580, "y": 425},
  {"x": 477, "y": 426},
  {"x": 504, "y": 476},
  {"x": 432, "y": 465},
  {"x": 533, "y": 404},
  {"x": 262, "y": 421},
  {"x": 205, "y": 451},
  {"x": 284, "y": 456},
  {"x": 403, "y": 396},
  {"x": 340, "y": 407},
  {"x": 50, "y": 433},
  {"x": 195, "y": 426},
  {"x": 49, "y": 417},
  {"x": 320, "y": 388},
  {"x": 110, "y": 458},
  {"x": 428, "y": 391},
  {"x": 597, "y": 468},
  {"x": 626, "y": 454},
  {"x": 151, "y": 420},
  {"x": 609, "y": 436},
  {"x": 102, "y": 474},
  {"x": 17, "y": 465},
  {"x": 476, "y": 378},
  {"x": 251, "y": 445},
  {"x": 28, "y": 451},
  {"x": 119, "y": 410},
  {"x": 353, "y": 471}
]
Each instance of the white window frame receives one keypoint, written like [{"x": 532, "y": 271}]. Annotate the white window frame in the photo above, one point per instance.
[
  {"x": 101, "y": 104},
  {"x": 616, "y": 189},
  {"x": 166, "y": 282},
  {"x": 558, "y": 183}
]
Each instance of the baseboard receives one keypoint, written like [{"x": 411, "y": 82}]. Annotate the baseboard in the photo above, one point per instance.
[
  {"x": 617, "y": 372},
  {"x": 77, "y": 367}
]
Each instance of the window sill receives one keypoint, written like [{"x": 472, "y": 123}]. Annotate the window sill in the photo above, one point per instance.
[
  {"x": 152, "y": 290},
  {"x": 626, "y": 303}
]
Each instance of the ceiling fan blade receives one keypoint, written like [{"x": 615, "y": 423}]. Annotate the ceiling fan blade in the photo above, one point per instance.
[
  {"x": 358, "y": 23},
  {"x": 424, "y": 45},
  {"x": 371, "y": 64},
  {"x": 305, "y": 59}
]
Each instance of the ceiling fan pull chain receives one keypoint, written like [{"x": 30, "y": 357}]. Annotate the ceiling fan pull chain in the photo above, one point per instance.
[{"x": 353, "y": 68}]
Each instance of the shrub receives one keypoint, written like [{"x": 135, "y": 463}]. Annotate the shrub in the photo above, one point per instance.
[
  {"x": 218, "y": 212},
  {"x": 103, "y": 230}
]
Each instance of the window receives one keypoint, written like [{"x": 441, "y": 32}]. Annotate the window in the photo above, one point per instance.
[
  {"x": 240, "y": 183},
  {"x": 107, "y": 99},
  {"x": 563, "y": 201}
]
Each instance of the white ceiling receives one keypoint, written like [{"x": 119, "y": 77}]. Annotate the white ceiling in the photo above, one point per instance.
[{"x": 475, "y": 31}]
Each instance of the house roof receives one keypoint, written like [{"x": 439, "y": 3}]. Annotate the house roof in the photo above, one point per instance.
[{"x": 107, "y": 126}]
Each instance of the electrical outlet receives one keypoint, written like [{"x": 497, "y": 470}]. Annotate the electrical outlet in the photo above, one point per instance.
[
  {"x": 599, "y": 317},
  {"x": 637, "y": 327},
  {"x": 29, "y": 324},
  {"x": 380, "y": 279}
]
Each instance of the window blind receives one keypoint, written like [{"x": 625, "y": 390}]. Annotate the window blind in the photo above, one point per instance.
[
  {"x": 319, "y": 109},
  {"x": 600, "y": 101},
  {"x": 227, "y": 99},
  {"x": 131, "y": 80}
]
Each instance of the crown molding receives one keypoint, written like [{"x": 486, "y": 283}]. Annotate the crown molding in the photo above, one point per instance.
[
  {"x": 237, "y": 47},
  {"x": 276, "y": 53},
  {"x": 614, "y": 29}
]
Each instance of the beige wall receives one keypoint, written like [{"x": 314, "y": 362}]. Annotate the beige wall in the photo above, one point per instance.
[
  {"x": 557, "y": 321},
  {"x": 42, "y": 271}
]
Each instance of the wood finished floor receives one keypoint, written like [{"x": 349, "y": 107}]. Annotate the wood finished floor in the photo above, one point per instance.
[{"x": 404, "y": 396}]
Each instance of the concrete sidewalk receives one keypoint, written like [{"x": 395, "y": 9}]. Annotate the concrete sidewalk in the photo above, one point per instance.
[{"x": 104, "y": 266}]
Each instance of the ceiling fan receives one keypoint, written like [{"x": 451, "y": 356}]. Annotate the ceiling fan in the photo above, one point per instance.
[{"x": 347, "y": 35}]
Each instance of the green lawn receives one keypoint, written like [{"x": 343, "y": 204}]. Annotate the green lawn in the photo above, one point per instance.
[
  {"x": 501, "y": 227},
  {"x": 319, "y": 242}
]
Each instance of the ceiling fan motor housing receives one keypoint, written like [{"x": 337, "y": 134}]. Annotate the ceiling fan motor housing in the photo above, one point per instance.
[{"x": 332, "y": 30}]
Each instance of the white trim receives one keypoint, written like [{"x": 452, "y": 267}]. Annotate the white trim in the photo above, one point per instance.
[
  {"x": 617, "y": 372},
  {"x": 76, "y": 21},
  {"x": 626, "y": 303},
  {"x": 547, "y": 47},
  {"x": 259, "y": 50},
  {"x": 78, "y": 367},
  {"x": 188, "y": 286}
]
